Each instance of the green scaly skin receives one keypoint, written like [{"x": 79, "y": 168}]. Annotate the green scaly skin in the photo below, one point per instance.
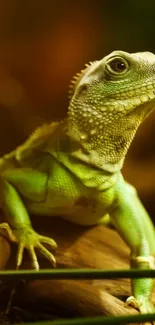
[{"x": 73, "y": 168}]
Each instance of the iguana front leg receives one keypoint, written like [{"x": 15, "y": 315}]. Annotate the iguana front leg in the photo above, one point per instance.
[
  {"x": 133, "y": 223},
  {"x": 32, "y": 184}
]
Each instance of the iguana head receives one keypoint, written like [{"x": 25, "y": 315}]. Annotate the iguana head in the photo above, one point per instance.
[{"x": 108, "y": 101}]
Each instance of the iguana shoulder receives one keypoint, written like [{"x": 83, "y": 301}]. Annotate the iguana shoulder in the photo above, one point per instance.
[
  {"x": 37, "y": 141},
  {"x": 33, "y": 149}
]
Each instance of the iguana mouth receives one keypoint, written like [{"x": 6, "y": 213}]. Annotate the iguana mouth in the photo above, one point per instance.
[
  {"x": 144, "y": 97},
  {"x": 133, "y": 98},
  {"x": 120, "y": 103},
  {"x": 146, "y": 89},
  {"x": 144, "y": 105}
]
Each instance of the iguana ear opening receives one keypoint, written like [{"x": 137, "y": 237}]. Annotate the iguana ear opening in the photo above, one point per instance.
[{"x": 76, "y": 79}]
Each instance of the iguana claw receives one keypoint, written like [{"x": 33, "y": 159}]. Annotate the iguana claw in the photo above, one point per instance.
[{"x": 27, "y": 238}]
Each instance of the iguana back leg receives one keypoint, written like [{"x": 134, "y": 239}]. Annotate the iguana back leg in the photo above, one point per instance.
[{"x": 29, "y": 183}]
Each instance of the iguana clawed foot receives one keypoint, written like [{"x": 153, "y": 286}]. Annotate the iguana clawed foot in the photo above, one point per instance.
[
  {"x": 142, "y": 302},
  {"x": 27, "y": 238},
  {"x": 143, "y": 305}
]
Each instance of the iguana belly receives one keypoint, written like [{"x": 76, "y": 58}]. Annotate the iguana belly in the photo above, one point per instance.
[
  {"x": 85, "y": 215},
  {"x": 69, "y": 198}
]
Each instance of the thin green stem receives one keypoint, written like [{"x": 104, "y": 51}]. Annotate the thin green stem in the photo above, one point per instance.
[
  {"x": 100, "y": 320},
  {"x": 76, "y": 274}
]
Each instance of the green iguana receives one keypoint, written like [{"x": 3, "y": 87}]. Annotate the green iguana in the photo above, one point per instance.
[{"x": 72, "y": 168}]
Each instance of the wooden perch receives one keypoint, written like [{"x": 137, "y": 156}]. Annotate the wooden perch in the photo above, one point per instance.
[{"x": 78, "y": 247}]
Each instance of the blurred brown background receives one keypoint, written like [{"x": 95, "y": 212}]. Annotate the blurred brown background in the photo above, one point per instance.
[{"x": 44, "y": 43}]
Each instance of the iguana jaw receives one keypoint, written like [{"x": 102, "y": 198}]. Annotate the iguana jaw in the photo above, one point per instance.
[
  {"x": 145, "y": 107},
  {"x": 143, "y": 102},
  {"x": 134, "y": 98}
]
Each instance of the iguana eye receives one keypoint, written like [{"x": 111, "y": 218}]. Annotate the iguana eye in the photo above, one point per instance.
[{"x": 117, "y": 65}]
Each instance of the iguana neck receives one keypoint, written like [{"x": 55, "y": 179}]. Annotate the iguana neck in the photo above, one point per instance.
[{"x": 103, "y": 143}]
